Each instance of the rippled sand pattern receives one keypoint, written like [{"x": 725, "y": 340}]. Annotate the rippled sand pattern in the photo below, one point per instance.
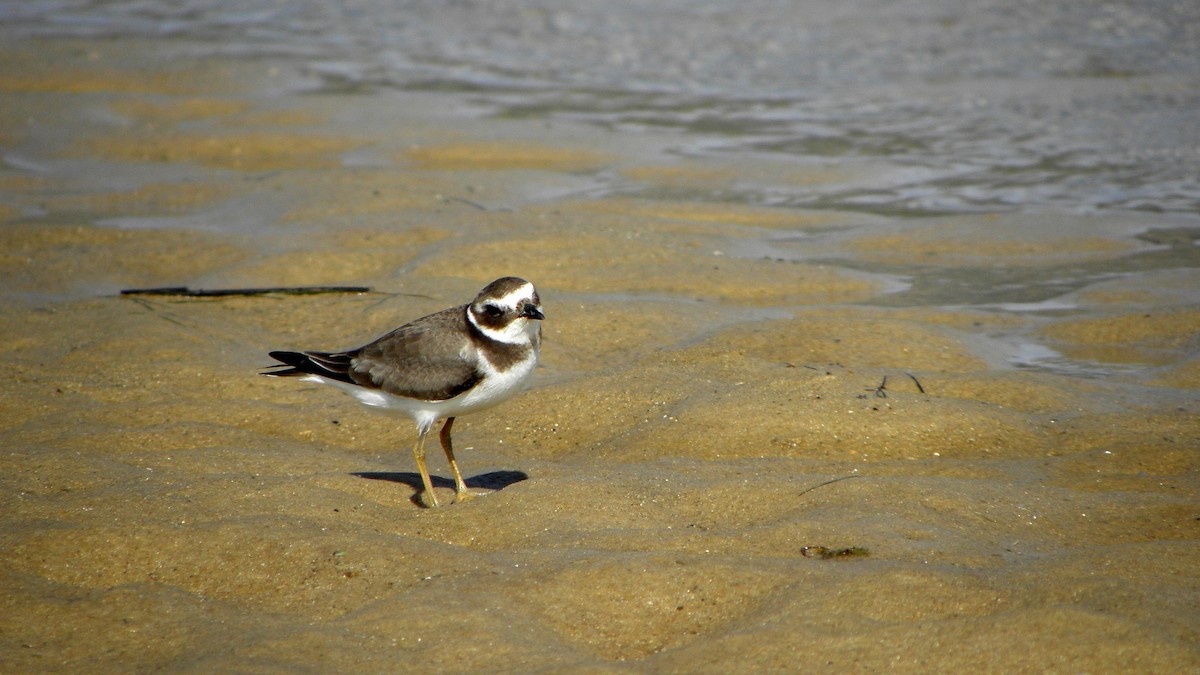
[{"x": 725, "y": 389}]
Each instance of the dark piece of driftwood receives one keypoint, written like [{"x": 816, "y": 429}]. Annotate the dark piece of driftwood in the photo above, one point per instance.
[{"x": 222, "y": 292}]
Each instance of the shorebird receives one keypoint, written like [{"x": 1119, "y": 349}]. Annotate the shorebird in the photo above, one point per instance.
[{"x": 441, "y": 366}]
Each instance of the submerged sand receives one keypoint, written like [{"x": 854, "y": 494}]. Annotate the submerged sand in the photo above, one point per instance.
[{"x": 703, "y": 423}]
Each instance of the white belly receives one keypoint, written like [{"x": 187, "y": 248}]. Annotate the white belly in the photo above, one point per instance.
[{"x": 494, "y": 388}]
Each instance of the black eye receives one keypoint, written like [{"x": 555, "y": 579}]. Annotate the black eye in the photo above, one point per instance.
[{"x": 492, "y": 311}]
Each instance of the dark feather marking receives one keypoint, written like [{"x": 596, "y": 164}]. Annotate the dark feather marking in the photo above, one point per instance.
[
  {"x": 501, "y": 355},
  {"x": 311, "y": 363}
]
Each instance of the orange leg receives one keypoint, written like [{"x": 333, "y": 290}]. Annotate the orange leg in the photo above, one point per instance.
[
  {"x": 460, "y": 486},
  {"x": 419, "y": 455}
]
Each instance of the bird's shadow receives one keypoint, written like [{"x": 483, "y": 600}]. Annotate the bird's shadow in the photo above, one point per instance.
[{"x": 493, "y": 481}]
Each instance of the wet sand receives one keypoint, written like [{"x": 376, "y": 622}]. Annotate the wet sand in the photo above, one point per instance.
[{"x": 704, "y": 420}]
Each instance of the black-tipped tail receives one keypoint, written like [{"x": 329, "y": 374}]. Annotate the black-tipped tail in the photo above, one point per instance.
[{"x": 293, "y": 364}]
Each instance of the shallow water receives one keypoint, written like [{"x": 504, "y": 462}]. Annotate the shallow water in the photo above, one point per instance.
[
  {"x": 909, "y": 278},
  {"x": 977, "y": 107}
]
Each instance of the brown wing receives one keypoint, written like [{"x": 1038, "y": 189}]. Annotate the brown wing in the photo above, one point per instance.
[{"x": 427, "y": 359}]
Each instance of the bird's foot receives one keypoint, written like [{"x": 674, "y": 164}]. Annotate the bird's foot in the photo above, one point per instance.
[
  {"x": 428, "y": 500},
  {"x": 464, "y": 495}
]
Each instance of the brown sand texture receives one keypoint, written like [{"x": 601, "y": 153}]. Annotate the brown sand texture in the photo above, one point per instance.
[{"x": 706, "y": 475}]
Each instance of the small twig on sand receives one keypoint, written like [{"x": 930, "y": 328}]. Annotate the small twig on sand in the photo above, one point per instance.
[
  {"x": 468, "y": 202},
  {"x": 151, "y": 308},
  {"x": 916, "y": 382},
  {"x": 223, "y": 292},
  {"x": 828, "y": 482},
  {"x": 881, "y": 390}
]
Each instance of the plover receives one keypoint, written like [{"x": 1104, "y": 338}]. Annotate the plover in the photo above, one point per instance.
[{"x": 450, "y": 363}]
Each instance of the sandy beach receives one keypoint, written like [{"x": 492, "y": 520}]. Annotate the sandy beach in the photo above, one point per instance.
[{"x": 717, "y": 406}]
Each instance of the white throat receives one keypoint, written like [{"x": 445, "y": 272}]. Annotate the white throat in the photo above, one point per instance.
[{"x": 519, "y": 331}]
